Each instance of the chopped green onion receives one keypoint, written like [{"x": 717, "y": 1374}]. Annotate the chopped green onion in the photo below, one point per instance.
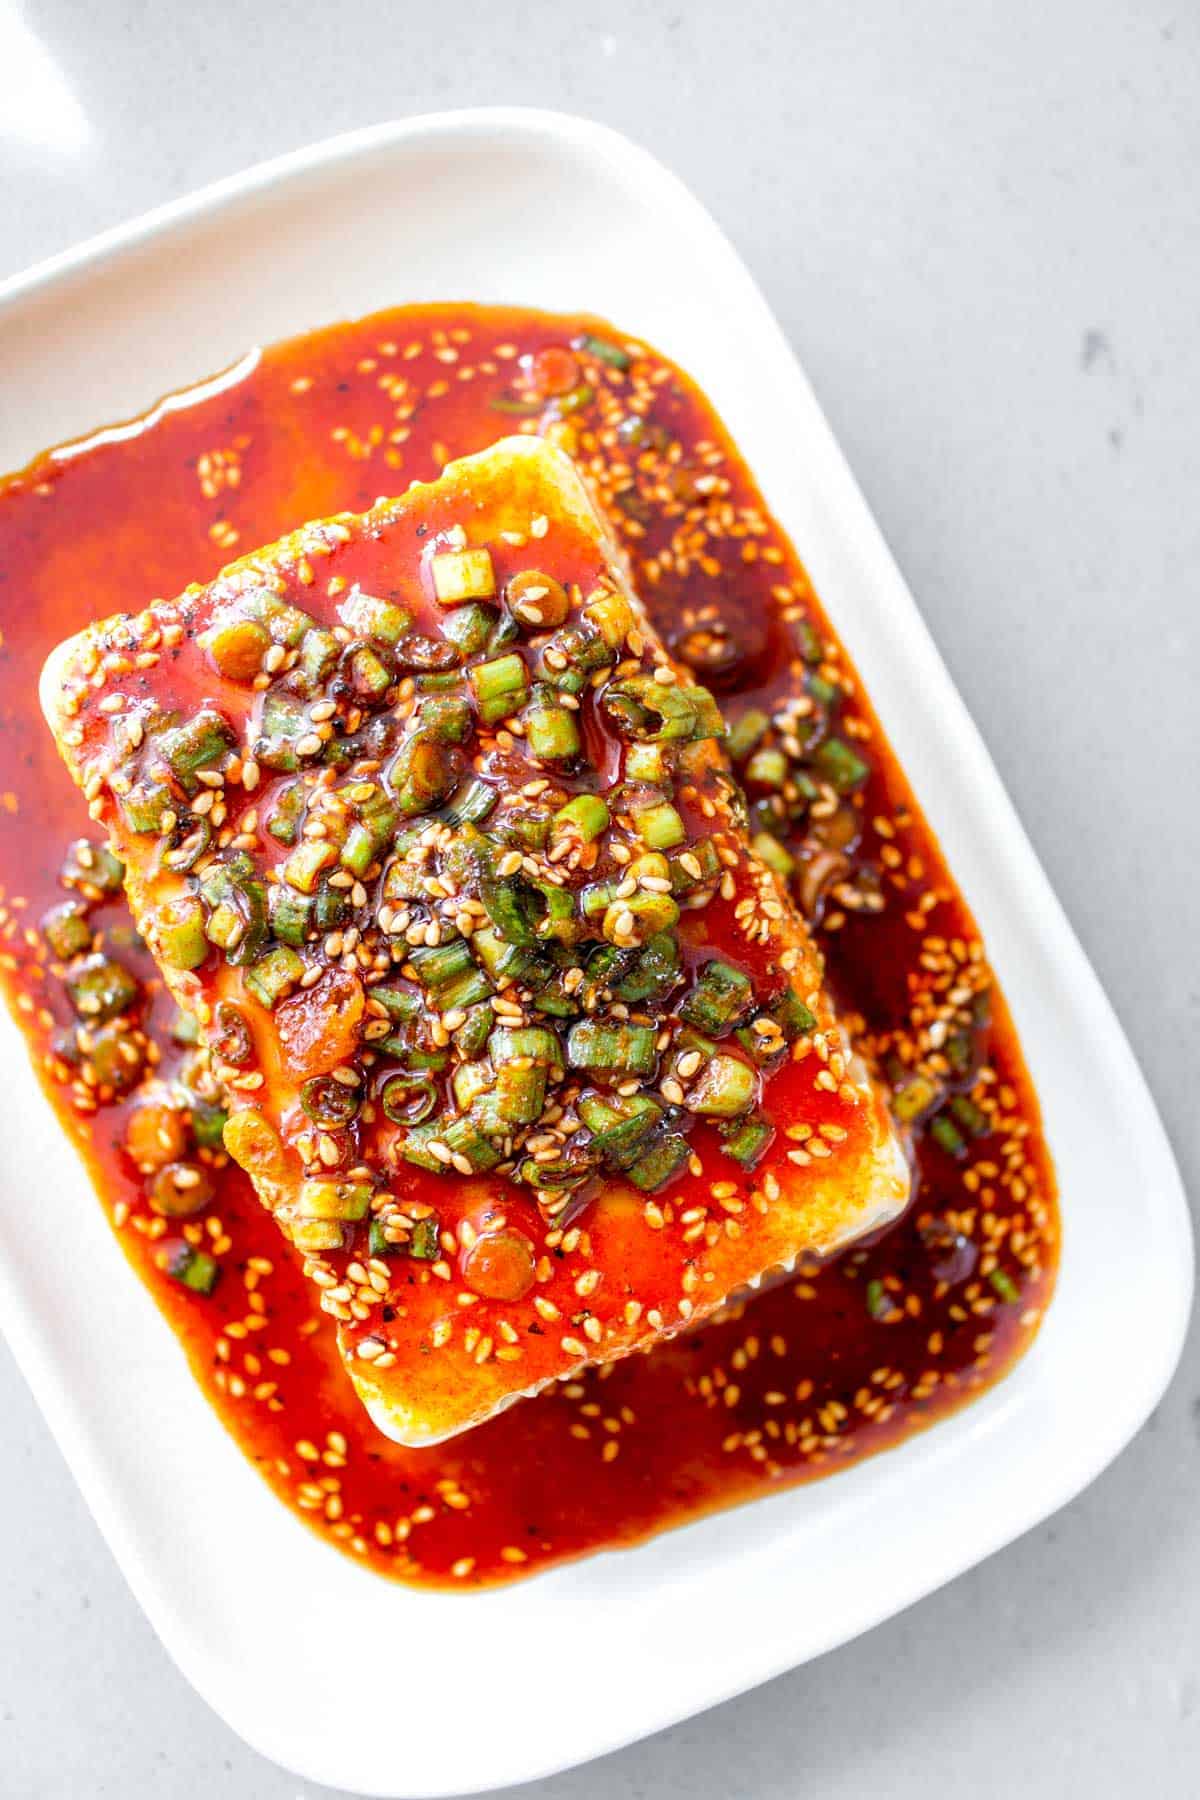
[
  {"x": 659, "y": 826},
  {"x": 769, "y": 850},
  {"x": 602, "y": 350},
  {"x": 766, "y": 768},
  {"x": 584, "y": 817},
  {"x": 347, "y": 1201},
  {"x": 460, "y": 575},
  {"x": 640, "y": 917},
  {"x": 719, "y": 998},
  {"x": 142, "y": 808},
  {"x": 423, "y": 1244},
  {"x": 843, "y": 768},
  {"x": 368, "y": 617},
  {"x": 660, "y": 1163},
  {"x": 616, "y": 1049},
  {"x": 66, "y": 929},
  {"x": 408, "y": 1099},
  {"x": 972, "y": 1118},
  {"x": 287, "y": 812},
  {"x": 469, "y": 627},
  {"x": 176, "y": 931},
  {"x": 304, "y": 866},
  {"x": 724, "y": 1087},
  {"x": 550, "y": 731},
  {"x": 915, "y": 1097},
  {"x": 192, "y": 1268},
  {"x": 203, "y": 741},
  {"x": 746, "y": 1140},
  {"x": 947, "y": 1136},
  {"x": 330, "y": 1103},
  {"x": 1005, "y": 1286},
  {"x": 500, "y": 687},
  {"x": 99, "y": 988},
  {"x": 746, "y": 733},
  {"x": 274, "y": 975},
  {"x": 92, "y": 866}
]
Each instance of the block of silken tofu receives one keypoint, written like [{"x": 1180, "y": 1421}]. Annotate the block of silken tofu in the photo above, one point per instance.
[{"x": 524, "y": 1048}]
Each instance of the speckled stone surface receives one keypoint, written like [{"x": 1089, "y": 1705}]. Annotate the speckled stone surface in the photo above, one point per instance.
[{"x": 978, "y": 224}]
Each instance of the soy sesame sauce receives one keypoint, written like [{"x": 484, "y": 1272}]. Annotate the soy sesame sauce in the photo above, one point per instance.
[{"x": 806, "y": 1379}]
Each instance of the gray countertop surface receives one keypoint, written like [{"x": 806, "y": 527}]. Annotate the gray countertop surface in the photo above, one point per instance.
[{"x": 979, "y": 226}]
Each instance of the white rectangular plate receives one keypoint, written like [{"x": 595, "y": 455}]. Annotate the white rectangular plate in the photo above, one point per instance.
[{"x": 561, "y": 214}]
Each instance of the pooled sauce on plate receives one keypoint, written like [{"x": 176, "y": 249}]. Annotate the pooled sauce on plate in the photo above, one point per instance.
[{"x": 798, "y": 1382}]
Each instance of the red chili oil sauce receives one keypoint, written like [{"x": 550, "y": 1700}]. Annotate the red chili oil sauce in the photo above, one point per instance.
[{"x": 827, "y": 1367}]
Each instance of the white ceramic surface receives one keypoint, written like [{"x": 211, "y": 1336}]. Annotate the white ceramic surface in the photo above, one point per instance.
[{"x": 512, "y": 206}]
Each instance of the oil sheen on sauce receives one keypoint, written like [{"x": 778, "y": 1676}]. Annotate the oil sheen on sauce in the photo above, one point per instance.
[{"x": 804, "y": 1380}]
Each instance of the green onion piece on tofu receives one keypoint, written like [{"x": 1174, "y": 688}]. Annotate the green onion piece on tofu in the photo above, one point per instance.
[
  {"x": 649, "y": 762},
  {"x": 287, "y": 624},
  {"x": 457, "y": 1137},
  {"x": 654, "y": 972},
  {"x": 460, "y": 575},
  {"x": 192, "y": 1268},
  {"x": 639, "y": 918},
  {"x": 142, "y": 808},
  {"x": 644, "y": 709},
  {"x": 445, "y": 717},
  {"x": 527, "y": 1043},
  {"x": 371, "y": 618},
  {"x": 283, "y": 723},
  {"x": 330, "y": 1103},
  {"x": 287, "y": 812},
  {"x": 408, "y": 1099},
  {"x": 725, "y": 1087},
  {"x": 274, "y": 975},
  {"x": 201, "y": 743},
  {"x": 792, "y": 1016},
  {"x": 692, "y": 868},
  {"x": 319, "y": 651},
  {"x": 469, "y": 627},
  {"x": 237, "y": 908},
  {"x": 660, "y": 1163},
  {"x": 303, "y": 868},
  {"x": 66, "y": 929},
  {"x": 471, "y": 804},
  {"x": 584, "y": 817},
  {"x": 500, "y": 687},
  {"x": 551, "y": 731},
  {"x": 472, "y": 1034},
  {"x": 769, "y": 850},
  {"x": 177, "y": 932},
  {"x": 615, "y": 1049},
  {"x": 602, "y": 350},
  {"x": 659, "y": 826},
  {"x": 423, "y": 1244},
  {"x": 347, "y": 1201},
  {"x": 378, "y": 1241},
  {"x": 719, "y": 998},
  {"x": 618, "y": 1125},
  {"x": 435, "y": 964},
  {"x": 843, "y": 768},
  {"x": 746, "y": 1140},
  {"x": 331, "y": 906}
]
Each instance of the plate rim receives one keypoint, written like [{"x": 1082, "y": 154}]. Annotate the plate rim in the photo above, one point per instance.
[{"x": 1173, "y": 1220}]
